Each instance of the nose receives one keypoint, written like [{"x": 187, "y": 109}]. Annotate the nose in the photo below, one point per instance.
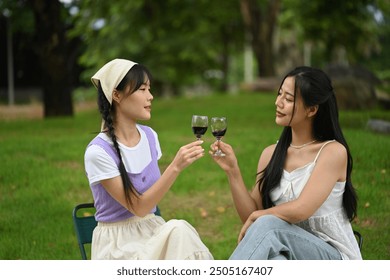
[
  {"x": 150, "y": 98},
  {"x": 278, "y": 102}
]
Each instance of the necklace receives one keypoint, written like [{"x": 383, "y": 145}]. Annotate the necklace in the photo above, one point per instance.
[{"x": 302, "y": 146}]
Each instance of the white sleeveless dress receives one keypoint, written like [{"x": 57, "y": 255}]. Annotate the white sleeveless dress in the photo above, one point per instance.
[{"x": 329, "y": 222}]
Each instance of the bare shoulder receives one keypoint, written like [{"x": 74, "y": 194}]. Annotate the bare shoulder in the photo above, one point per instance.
[
  {"x": 335, "y": 148},
  {"x": 265, "y": 156},
  {"x": 334, "y": 152},
  {"x": 268, "y": 151},
  {"x": 334, "y": 159}
]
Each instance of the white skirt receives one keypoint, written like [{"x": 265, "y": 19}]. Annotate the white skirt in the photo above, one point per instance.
[{"x": 147, "y": 238}]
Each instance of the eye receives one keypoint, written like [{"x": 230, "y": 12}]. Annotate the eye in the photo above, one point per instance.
[{"x": 289, "y": 97}]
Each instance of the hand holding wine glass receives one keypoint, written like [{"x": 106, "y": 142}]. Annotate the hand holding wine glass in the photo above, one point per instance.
[
  {"x": 218, "y": 128},
  {"x": 199, "y": 125}
]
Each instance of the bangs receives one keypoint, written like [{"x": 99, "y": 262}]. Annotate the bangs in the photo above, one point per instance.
[{"x": 135, "y": 78}]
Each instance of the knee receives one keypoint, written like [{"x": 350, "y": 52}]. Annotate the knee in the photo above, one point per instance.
[
  {"x": 177, "y": 223},
  {"x": 267, "y": 223},
  {"x": 268, "y": 220},
  {"x": 179, "y": 226}
]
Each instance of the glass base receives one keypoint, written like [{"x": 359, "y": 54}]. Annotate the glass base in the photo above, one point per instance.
[{"x": 218, "y": 153}]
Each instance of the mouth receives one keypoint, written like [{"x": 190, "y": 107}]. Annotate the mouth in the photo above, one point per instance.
[
  {"x": 149, "y": 108},
  {"x": 279, "y": 114}
]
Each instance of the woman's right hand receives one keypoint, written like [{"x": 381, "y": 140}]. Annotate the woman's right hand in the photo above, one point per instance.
[
  {"x": 188, "y": 154},
  {"x": 227, "y": 162}
]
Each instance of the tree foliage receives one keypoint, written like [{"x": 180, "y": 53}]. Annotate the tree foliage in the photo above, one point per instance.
[
  {"x": 178, "y": 39},
  {"x": 183, "y": 40},
  {"x": 335, "y": 25}
]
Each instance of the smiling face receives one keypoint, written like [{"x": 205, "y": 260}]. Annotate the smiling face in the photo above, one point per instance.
[
  {"x": 290, "y": 109},
  {"x": 133, "y": 106}
]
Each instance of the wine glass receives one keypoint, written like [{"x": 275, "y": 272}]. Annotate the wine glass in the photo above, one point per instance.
[
  {"x": 218, "y": 128},
  {"x": 199, "y": 125}
]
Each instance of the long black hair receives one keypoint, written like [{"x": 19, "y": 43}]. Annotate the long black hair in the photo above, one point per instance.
[
  {"x": 316, "y": 90},
  {"x": 136, "y": 76}
]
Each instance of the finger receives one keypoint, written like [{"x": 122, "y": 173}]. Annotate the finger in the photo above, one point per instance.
[
  {"x": 192, "y": 158},
  {"x": 194, "y": 144},
  {"x": 191, "y": 147},
  {"x": 213, "y": 147},
  {"x": 223, "y": 146},
  {"x": 194, "y": 149},
  {"x": 198, "y": 151},
  {"x": 198, "y": 156},
  {"x": 186, "y": 157},
  {"x": 244, "y": 228},
  {"x": 195, "y": 153},
  {"x": 240, "y": 236}
]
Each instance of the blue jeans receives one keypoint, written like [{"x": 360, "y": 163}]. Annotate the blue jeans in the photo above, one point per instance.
[{"x": 271, "y": 238}]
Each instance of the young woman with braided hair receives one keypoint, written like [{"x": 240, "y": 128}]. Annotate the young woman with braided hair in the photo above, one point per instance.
[
  {"x": 121, "y": 164},
  {"x": 303, "y": 201}
]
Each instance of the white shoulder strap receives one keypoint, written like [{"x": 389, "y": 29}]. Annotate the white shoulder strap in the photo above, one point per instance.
[{"x": 326, "y": 143}]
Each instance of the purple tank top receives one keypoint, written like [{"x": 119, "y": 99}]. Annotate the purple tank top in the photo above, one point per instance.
[{"x": 107, "y": 208}]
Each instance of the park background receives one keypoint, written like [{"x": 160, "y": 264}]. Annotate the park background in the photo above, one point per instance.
[{"x": 207, "y": 57}]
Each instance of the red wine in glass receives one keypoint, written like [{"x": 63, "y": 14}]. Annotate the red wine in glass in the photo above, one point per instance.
[
  {"x": 219, "y": 133},
  {"x": 199, "y": 125},
  {"x": 199, "y": 131}
]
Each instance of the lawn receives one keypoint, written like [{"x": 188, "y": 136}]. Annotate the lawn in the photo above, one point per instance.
[{"x": 42, "y": 175}]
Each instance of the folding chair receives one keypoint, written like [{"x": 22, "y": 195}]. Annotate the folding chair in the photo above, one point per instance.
[{"x": 84, "y": 225}]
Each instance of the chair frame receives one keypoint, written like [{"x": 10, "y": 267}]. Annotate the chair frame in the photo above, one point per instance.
[{"x": 84, "y": 227}]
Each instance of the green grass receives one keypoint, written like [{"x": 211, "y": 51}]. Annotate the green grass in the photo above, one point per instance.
[{"x": 42, "y": 175}]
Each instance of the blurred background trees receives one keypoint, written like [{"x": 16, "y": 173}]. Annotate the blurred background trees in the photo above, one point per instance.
[{"x": 189, "y": 45}]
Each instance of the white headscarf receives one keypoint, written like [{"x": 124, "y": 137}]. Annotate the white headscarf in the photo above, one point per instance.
[{"x": 111, "y": 74}]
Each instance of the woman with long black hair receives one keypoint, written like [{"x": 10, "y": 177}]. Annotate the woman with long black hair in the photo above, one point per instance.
[{"x": 303, "y": 202}]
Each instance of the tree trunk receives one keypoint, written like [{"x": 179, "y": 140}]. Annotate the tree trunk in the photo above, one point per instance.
[
  {"x": 51, "y": 47},
  {"x": 260, "y": 21},
  {"x": 224, "y": 87}
]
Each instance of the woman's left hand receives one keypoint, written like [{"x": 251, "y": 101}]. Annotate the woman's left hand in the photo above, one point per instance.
[{"x": 251, "y": 219}]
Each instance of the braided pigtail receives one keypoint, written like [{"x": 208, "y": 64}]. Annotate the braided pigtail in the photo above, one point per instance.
[{"x": 107, "y": 111}]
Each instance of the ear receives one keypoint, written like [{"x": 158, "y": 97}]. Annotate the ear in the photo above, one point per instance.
[
  {"x": 116, "y": 96},
  {"x": 312, "y": 110}
]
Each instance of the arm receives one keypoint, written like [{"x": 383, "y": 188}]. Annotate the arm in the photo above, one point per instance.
[
  {"x": 145, "y": 202},
  {"x": 244, "y": 201},
  {"x": 264, "y": 160},
  {"x": 330, "y": 168}
]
